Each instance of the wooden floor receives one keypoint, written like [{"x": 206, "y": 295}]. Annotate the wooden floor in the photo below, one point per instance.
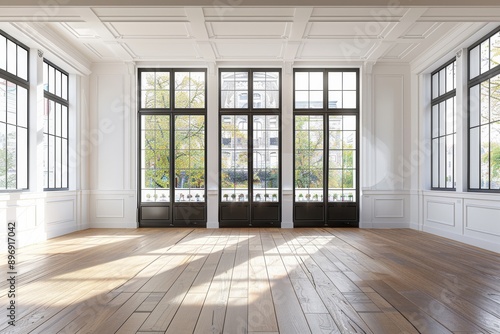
[{"x": 255, "y": 281}]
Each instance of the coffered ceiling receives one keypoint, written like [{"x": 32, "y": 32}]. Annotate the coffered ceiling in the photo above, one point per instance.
[{"x": 246, "y": 33}]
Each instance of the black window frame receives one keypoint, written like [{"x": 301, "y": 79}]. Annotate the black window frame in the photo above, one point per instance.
[
  {"x": 472, "y": 82},
  {"x": 326, "y": 212},
  {"x": 18, "y": 81},
  {"x": 251, "y": 213},
  {"x": 54, "y": 97},
  {"x": 171, "y": 213},
  {"x": 436, "y": 101}
]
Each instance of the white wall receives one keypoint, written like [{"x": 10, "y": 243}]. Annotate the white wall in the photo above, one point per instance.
[
  {"x": 111, "y": 144},
  {"x": 385, "y": 146}
]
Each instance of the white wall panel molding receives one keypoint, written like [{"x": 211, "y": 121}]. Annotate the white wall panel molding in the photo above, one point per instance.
[
  {"x": 110, "y": 208},
  {"x": 388, "y": 208},
  {"x": 440, "y": 212},
  {"x": 483, "y": 217}
]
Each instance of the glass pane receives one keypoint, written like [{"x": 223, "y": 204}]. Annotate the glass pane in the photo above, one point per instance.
[
  {"x": 349, "y": 100},
  {"x": 335, "y": 159},
  {"x": 442, "y": 119},
  {"x": 349, "y": 159},
  {"x": 485, "y": 102},
  {"x": 58, "y": 83},
  {"x": 22, "y": 106},
  {"x": 349, "y": 140},
  {"x": 316, "y": 99},
  {"x": 182, "y": 99},
  {"x": 301, "y": 99},
  {"x": 309, "y": 161},
  {"x": 442, "y": 82},
  {"x": 22, "y": 158},
  {"x": 272, "y": 99},
  {"x": 485, "y": 157},
  {"x": 442, "y": 162},
  {"x": 450, "y": 116},
  {"x": 495, "y": 155},
  {"x": 259, "y": 99},
  {"x": 348, "y": 179},
  {"x": 22, "y": 63},
  {"x": 334, "y": 99},
  {"x": 65, "y": 86},
  {"x": 162, "y": 99},
  {"x": 435, "y": 121},
  {"x": 241, "y": 99},
  {"x": 474, "y": 105},
  {"x": 474, "y": 62},
  {"x": 155, "y": 157},
  {"x": 335, "y": 138},
  {"x": 301, "y": 80},
  {"x": 64, "y": 122},
  {"x": 349, "y": 122},
  {"x": 181, "y": 81},
  {"x": 3, "y": 157},
  {"x": 3, "y": 64},
  {"x": 58, "y": 117},
  {"x": 335, "y": 81},
  {"x": 485, "y": 56},
  {"x": 335, "y": 179},
  {"x": 3, "y": 101},
  {"x": 316, "y": 81},
  {"x": 495, "y": 98},
  {"x": 495, "y": 50},
  {"x": 450, "y": 162},
  {"x": 435, "y": 85},
  {"x": 435, "y": 163},
  {"x": 58, "y": 162},
  {"x": 52, "y": 79},
  {"x": 227, "y": 99},
  {"x": 450, "y": 76},
  {"x": 11, "y": 102},
  {"x": 349, "y": 81},
  {"x": 11, "y": 57},
  {"x": 148, "y": 80}
]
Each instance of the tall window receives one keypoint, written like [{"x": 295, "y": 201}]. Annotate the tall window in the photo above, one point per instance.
[
  {"x": 172, "y": 118},
  {"x": 484, "y": 114},
  {"x": 55, "y": 127},
  {"x": 14, "y": 89},
  {"x": 250, "y": 144},
  {"x": 443, "y": 119},
  {"x": 326, "y": 109}
]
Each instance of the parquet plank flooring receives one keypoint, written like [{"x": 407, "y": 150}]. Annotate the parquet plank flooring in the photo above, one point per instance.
[{"x": 232, "y": 281}]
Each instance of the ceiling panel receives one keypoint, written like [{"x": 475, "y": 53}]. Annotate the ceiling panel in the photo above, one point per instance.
[
  {"x": 132, "y": 12},
  {"x": 387, "y": 14},
  {"x": 151, "y": 49},
  {"x": 80, "y": 29},
  {"x": 101, "y": 50},
  {"x": 221, "y": 12},
  {"x": 339, "y": 49},
  {"x": 346, "y": 29},
  {"x": 421, "y": 30},
  {"x": 399, "y": 51},
  {"x": 250, "y": 50},
  {"x": 149, "y": 29},
  {"x": 247, "y": 29}
]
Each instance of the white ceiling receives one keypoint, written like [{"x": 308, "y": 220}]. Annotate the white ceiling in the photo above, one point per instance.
[{"x": 244, "y": 33}]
